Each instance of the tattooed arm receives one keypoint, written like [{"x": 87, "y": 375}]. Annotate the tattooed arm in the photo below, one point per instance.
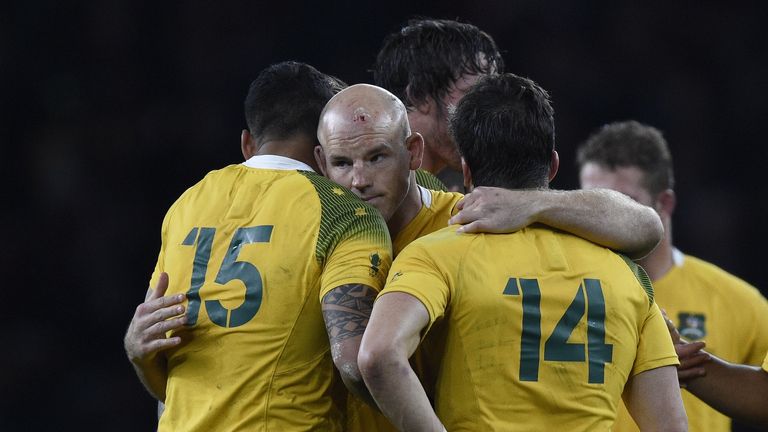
[{"x": 346, "y": 310}]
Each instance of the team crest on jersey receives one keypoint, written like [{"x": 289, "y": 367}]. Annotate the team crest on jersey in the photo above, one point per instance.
[
  {"x": 691, "y": 325},
  {"x": 375, "y": 263}
]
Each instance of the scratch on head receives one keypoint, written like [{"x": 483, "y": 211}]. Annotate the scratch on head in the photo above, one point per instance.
[{"x": 360, "y": 115}]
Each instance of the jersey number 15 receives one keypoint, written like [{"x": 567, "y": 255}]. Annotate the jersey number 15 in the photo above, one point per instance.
[{"x": 231, "y": 269}]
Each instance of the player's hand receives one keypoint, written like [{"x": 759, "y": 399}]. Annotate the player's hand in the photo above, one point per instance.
[
  {"x": 691, "y": 354},
  {"x": 146, "y": 335},
  {"x": 496, "y": 210}
]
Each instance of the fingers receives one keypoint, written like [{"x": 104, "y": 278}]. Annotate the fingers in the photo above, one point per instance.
[
  {"x": 672, "y": 329},
  {"x": 472, "y": 227},
  {"x": 462, "y": 217},
  {"x": 159, "y": 329},
  {"x": 692, "y": 359},
  {"x": 160, "y": 289},
  {"x": 163, "y": 344}
]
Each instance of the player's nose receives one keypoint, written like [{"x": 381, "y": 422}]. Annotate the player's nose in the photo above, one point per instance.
[{"x": 361, "y": 178}]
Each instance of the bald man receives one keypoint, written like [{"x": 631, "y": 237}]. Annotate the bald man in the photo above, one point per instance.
[{"x": 367, "y": 146}]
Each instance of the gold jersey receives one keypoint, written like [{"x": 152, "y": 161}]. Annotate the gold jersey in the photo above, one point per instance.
[
  {"x": 534, "y": 322},
  {"x": 255, "y": 250},
  {"x": 707, "y": 303},
  {"x": 436, "y": 208}
]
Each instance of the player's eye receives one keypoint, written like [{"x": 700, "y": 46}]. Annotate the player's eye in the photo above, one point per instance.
[
  {"x": 377, "y": 157},
  {"x": 340, "y": 163}
]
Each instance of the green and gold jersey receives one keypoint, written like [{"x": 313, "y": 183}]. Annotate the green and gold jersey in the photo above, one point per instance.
[
  {"x": 533, "y": 322},
  {"x": 430, "y": 181},
  {"x": 255, "y": 250},
  {"x": 707, "y": 303},
  {"x": 436, "y": 208}
]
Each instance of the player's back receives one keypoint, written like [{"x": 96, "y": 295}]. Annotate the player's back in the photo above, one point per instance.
[
  {"x": 541, "y": 329},
  {"x": 249, "y": 248}
]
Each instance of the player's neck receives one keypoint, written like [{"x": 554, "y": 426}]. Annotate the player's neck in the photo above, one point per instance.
[
  {"x": 407, "y": 210},
  {"x": 661, "y": 260},
  {"x": 299, "y": 148},
  {"x": 431, "y": 162}
]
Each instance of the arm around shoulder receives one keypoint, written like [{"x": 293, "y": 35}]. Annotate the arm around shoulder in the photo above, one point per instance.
[{"x": 606, "y": 217}]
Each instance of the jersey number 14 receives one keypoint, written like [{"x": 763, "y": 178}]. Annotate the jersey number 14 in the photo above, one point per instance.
[{"x": 557, "y": 347}]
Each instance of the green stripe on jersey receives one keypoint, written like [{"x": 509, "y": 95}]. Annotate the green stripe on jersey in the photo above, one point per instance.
[
  {"x": 641, "y": 276},
  {"x": 344, "y": 216},
  {"x": 428, "y": 180}
]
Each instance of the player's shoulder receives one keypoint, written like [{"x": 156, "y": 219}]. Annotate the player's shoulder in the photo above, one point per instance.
[
  {"x": 443, "y": 199},
  {"x": 428, "y": 180},
  {"x": 716, "y": 276}
]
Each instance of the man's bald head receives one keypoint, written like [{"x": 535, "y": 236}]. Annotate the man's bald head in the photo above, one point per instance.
[
  {"x": 367, "y": 146},
  {"x": 361, "y": 109}
]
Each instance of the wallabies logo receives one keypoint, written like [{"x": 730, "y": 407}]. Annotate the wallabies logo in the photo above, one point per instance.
[
  {"x": 375, "y": 263},
  {"x": 691, "y": 325}
]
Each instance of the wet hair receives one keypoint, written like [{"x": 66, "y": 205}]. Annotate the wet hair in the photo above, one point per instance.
[
  {"x": 286, "y": 100},
  {"x": 423, "y": 59},
  {"x": 505, "y": 130},
  {"x": 631, "y": 144}
]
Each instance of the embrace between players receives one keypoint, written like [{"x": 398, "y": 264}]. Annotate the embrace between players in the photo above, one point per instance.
[{"x": 263, "y": 294}]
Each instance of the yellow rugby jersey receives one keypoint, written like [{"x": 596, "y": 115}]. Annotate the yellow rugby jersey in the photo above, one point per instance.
[
  {"x": 436, "y": 208},
  {"x": 707, "y": 303},
  {"x": 430, "y": 181},
  {"x": 533, "y": 322},
  {"x": 765, "y": 363},
  {"x": 255, "y": 250}
]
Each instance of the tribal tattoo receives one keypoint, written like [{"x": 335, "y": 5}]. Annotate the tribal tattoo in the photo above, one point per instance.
[{"x": 346, "y": 310}]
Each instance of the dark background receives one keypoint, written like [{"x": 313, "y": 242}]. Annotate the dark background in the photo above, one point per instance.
[{"x": 111, "y": 109}]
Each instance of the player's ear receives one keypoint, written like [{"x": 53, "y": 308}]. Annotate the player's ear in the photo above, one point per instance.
[
  {"x": 467, "y": 176},
  {"x": 247, "y": 144},
  {"x": 320, "y": 159},
  {"x": 415, "y": 145},
  {"x": 554, "y": 164},
  {"x": 666, "y": 202}
]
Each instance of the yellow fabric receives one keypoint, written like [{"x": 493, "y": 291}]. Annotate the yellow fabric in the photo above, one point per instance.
[
  {"x": 429, "y": 219},
  {"x": 274, "y": 371},
  {"x": 765, "y": 363},
  {"x": 735, "y": 327},
  {"x": 462, "y": 279}
]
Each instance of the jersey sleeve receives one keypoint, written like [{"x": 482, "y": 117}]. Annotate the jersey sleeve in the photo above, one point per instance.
[
  {"x": 362, "y": 255},
  {"x": 415, "y": 272},
  {"x": 765, "y": 363},
  {"x": 655, "y": 348}
]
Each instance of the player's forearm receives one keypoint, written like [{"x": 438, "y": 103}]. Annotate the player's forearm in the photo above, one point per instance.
[
  {"x": 737, "y": 391},
  {"x": 398, "y": 392},
  {"x": 152, "y": 373},
  {"x": 605, "y": 217}
]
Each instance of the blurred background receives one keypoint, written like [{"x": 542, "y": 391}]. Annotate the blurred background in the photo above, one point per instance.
[{"x": 110, "y": 110}]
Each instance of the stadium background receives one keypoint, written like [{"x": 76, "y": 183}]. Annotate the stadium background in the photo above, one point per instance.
[{"x": 111, "y": 109}]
